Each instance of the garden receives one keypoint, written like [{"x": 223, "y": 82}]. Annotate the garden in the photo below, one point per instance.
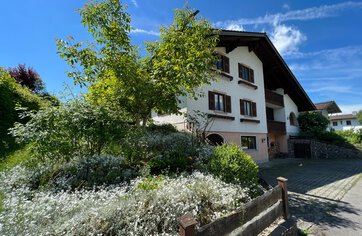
[{"x": 94, "y": 163}]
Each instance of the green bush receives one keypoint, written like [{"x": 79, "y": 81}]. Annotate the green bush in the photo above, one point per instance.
[
  {"x": 312, "y": 123},
  {"x": 233, "y": 165},
  {"x": 68, "y": 130},
  {"x": 173, "y": 152},
  {"x": 331, "y": 137},
  {"x": 83, "y": 172},
  {"x": 12, "y": 96},
  {"x": 163, "y": 128},
  {"x": 353, "y": 136}
]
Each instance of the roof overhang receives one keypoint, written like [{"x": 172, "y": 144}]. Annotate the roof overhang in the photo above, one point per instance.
[
  {"x": 276, "y": 72},
  {"x": 331, "y": 107}
]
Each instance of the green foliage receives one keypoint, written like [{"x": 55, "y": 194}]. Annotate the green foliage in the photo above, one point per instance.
[
  {"x": 151, "y": 182},
  {"x": 331, "y": 137},
  {"x": 233, "y": 165},
  {"x": 13, "y": 96},
  {"x": 173, "y": 152},
  {"x": 353, "y": 136},
  {"x": 117, "y": 76},
  {"x": 85, "y": 172},
  {"x": 15, "y": 158},
  {"x": 163, "y": 128},
  {"x": 74, "y": 129},
  {"x": 359, "y": 116},
  {"x": 312, "y": 122}
]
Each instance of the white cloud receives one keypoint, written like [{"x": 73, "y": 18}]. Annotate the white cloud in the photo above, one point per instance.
[
  {"x": 135, "y": 3},
  {"x": 323, "y": 11},
  {"x": 348, "y": 109},
  {"x": 142, "y": 31},
  {"x": 286, "y": 38},
  {"x": 332, "y": 89},
  {"x": 234, "y": 27},
  {"x": 286, "y": 7}
]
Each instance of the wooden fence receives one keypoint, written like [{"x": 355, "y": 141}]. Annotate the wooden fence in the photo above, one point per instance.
[{"x": 249, "y": 220}]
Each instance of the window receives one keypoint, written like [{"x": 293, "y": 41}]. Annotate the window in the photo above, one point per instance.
[
  {"x": 219, "y": 102},
  {"x": 223, "y": 64},
  {"x": 335, "y": 123},
  {"x": 348, "y": 122},
  {"x": 293, "y": 119},
  {"x": 248, "y": 142},
  {"x": 247, "y": 108},
  {"x": 341, "y": 122},
  {"x": 245, "y": 73}
]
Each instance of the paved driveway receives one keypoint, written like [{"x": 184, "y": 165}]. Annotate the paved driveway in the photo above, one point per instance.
[{"x": 316, "y": 190}]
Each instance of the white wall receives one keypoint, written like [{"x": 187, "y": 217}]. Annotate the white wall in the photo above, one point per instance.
[
  {"x": 289, "y": 107},
  {"x": 237, "y": 92},
  {"x": 343, "y": 125}
]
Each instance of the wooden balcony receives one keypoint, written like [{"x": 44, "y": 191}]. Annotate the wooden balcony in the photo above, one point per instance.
[
  {"x": 276, "y": 127},
  {"x": 274, "y": 98}
]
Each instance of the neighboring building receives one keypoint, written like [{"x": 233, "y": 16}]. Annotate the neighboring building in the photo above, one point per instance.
[
  {"x": 256, "y": 100},
  {"x": 328, "y": 108},
  {"x": 344, "y": 122}
]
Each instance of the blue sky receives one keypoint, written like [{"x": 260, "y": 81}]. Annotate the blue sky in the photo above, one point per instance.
[{"x": 321, "y": 41}]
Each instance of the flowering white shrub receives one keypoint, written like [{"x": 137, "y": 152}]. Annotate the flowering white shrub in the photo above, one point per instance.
[{"x": 148, "y": 206}]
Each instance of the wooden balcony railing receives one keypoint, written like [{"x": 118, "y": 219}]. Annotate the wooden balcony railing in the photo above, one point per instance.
[
  {"x": 274, "y": 98},
  {"x": 276, "y": 127}
]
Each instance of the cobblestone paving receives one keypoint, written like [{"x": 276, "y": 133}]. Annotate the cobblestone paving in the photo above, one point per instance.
[{"x": 316, "y": 188}]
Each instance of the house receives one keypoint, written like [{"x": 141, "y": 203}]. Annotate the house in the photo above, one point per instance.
[
  {"x": 255, "y": 101},
  {"x": 327, "y": 108},
  {"x": 344, "y": 122}
]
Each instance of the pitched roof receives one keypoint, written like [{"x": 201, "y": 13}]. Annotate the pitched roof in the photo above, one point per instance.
[
  {"x": 342, "y": 117},
  {"x": 330, "y": 106},
  {"x": 276, "y": 72}
]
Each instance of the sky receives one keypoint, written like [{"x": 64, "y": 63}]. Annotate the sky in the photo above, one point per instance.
[{"x": 321, "y": 41}]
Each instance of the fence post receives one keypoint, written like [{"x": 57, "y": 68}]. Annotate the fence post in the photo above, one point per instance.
[
  {"x": 187, "y": 225},
  {"x": 282, "y": 182}
]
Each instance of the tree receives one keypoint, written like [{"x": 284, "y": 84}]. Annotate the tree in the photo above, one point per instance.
[
  {"x": 359, "y": 116},
  {"x": 118, "y": 76},
  {"x": 312, "y": 123},
  {"x": 27, "y": 77}
]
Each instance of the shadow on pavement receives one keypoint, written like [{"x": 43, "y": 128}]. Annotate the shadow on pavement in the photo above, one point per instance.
[{"x": 322, "y": 212}]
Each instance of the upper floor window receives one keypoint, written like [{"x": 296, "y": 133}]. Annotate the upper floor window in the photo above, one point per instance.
[
  {"x": 293, "y": 119},
  {"x": 248, "y": 142},
  {"x": 247, "y": 108},
  {"x": 223, "y": 64},
  {"x": 246, "y": 73},
  {"x": 348, "y": 122},
  {"x": 219, "y": 102},
  {"x": 335, "y": 123}
]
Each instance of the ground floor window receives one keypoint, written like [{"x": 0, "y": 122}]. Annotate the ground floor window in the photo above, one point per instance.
[{"x": 248, "y": 142}]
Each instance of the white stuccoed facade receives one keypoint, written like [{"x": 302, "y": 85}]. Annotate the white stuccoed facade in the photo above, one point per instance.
[{"x": 232, "y": 130}]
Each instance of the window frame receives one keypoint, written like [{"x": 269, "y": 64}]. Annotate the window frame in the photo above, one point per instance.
[
  {"x": 222, "y": 63},
  {"x": 251, "y": 142},
  {"x": 214, "y": 102},
  {"x": 348, "y": 121},
  {"x": 334, "y": 123},
  {"x": 293, "y": 121},
  {"x": 248, "y": 108},
  {"x": 246, "y": 71}
]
